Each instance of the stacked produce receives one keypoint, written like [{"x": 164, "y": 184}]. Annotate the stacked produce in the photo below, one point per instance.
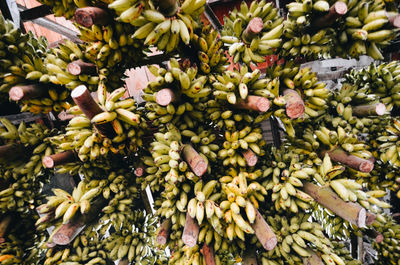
[
  {"x": 316, "y": 29},
  {"x": 221, "y": 194},
  {"x": 252, "y": 32}
]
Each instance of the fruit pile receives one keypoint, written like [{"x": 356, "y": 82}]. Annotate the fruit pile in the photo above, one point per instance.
[{"x": 221, "y": 194}]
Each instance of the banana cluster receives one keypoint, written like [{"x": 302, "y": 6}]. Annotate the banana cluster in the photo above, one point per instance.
[
  {"x": 236, "y": 88},
  {"x": 381, "y": 81},
  {"x": 25, "y": 66},
  {"x": 298, "y": 238},
  {"x": 20, "y": 240},
  {"x": 365, "y": 29},
  {"x": 388, "y": 249},
  {"x": 284, "y": 179},
  {"x": 123, "y": 196},
  {"x": 193, "y": 255},
  {"x": 185, "y": 87},
  {"x": 241, "y": 144},
  {"x": 109, "y": 46},
  {"x": 20, "y": 55},
  {"x": 66, "y": 206},
  {"x": 135, "y": 243},
  {"x": 85, "y": 249},
  {"x": 160, "y": 25},
  {"x": 90, "y": 144},
  {"x": 314, "y": 93},
  {"x": 56, "y": 65},
  {"x": 65, "y": 8},
  {"x": 210, "y": 54},
  {"x": 252, "y": 32}
]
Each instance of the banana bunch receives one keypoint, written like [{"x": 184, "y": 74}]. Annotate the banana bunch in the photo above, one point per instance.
[
  {"x": 19, "y": 243},
  {"x": 162, "y": 25},
  {"x": 301, "y": 37},
  {"x": 235, "y": 87},
  {"x": 365, "y": 29},
  {"x": 335, "y": 226},
  {"x": 26, "y": 66},
  {"x": 193, "y": 255},
  {"x": 86, "y": 248},
  {"x": 341, "y": 250},
  {"x": 241, "y": 144},
  {"x": 204, "y": 140},
  {"x": 65, "y": 8},
  {"x": 210, "y": 54},
  {"x": 111, "y": 45},
  {"x": 182, "y": 77},
  {"x": 56, "y": 67},
  {"x": 284, "y": 179},
  {"x": 134, "y": 243},
  {"x": 305, "y": 82},
  {"x": 388, "y": 249},
  {"x": 123, "y": 197},
  {"x": 298, "y": 238},
  {"x": 90, "y": 144},
  {"x": 66, "y": 206},
  {"x": 381, "y": 80},
  {"x": 20, "y": 55},
  {"x": 167, "y": 164},
  {"x": 185, "y": 87},
  {"x": 252, "y": 32},
  {"x": 322, "y": 138}
]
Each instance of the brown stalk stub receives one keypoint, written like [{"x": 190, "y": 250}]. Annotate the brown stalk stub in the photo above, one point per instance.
[
  {"x": 59, "y": 159},
  {"x": 80, "y": 67},
  {"x": 395, "y": 21},
  {"x": 87, "y": 16},
  {"x": 26, "y": 92},
  {"x": 165, "y": 96},
  {"x": 254, "y": 27},
  {"x": 190, "y": 231},
  {"x": 255, "y": 103},
  {"x": 339, "y": 9},
  {"x": 295, "y": 106}
]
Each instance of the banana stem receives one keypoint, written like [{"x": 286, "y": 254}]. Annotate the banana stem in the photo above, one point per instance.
[
  {"x": 355, "y": 162},
  {"x": 139, "y": 171},
  {"x": 90, "y": 108},
  {"x": 69, "y": 231},
  {"x": 370, "y": 218},
  {"x": 62, "y": 158},
  {"x": 254, "y": 27},
  {"x": 168, "y": 7},
  {"x": 26, "y": 92},
  {"x": 80, "y": 67},
  {"x": 10, "y": 151},
  {"x": 369, "y": 110},
  {"x": 395, "y": 21},
  {"x": 163, "y": 233},
  {"x": 190, "y": 231},
  {"x": 255, "y": 103},
  {"x": 294, "y": 103},
  {"x": 196, "y": 163},
  {"x": 314, "y": 259},
  {"x": 208, "y": 253},
  {"x": 250, "y": 157},
  {"x": 87, "y": 16},
  {"x": 5, "y": 222},
  {"x": 250, "y": 257},
  {"x": 336, "y": 11},
  {"x": 325, "y": 196},
  {"x": 264, "y": 232},
  {"x": 166, "y": 96}
]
